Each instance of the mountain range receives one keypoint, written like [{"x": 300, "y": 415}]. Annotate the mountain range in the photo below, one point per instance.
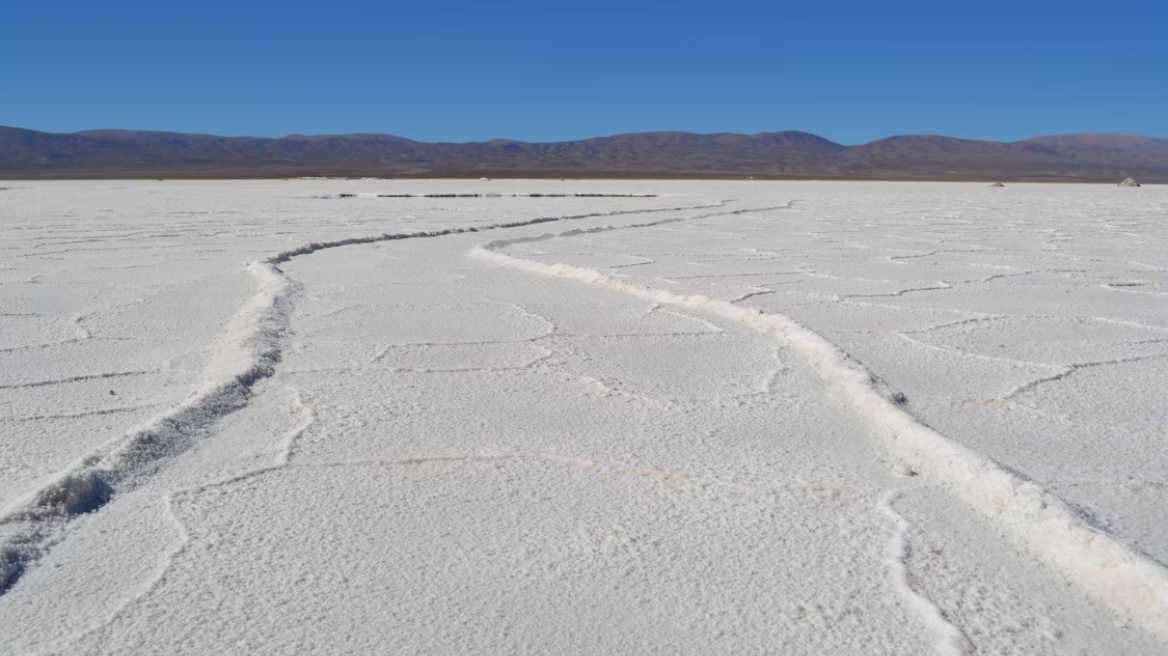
[{"x": 29, "y": 154}]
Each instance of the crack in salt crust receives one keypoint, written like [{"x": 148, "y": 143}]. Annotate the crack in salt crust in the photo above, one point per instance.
[{"x": 1129, "y": 582}]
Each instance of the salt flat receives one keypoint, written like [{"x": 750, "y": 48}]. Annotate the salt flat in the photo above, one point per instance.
[{"x": 799, "y": 417}]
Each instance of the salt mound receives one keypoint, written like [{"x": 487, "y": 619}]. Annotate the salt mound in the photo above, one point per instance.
[{"x": 1130, "y": 182}]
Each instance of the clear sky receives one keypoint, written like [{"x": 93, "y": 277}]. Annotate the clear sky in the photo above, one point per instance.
[{"x": 452, "y": 70}]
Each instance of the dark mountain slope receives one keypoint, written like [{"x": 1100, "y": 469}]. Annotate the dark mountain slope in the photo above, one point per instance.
[
  {"x": 129, "y": 153},
  {"x": 1130, "y": 143},
  {"x": 948, "y": 158}
]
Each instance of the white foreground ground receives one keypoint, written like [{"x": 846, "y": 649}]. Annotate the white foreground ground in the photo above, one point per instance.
[{"x": 223, "y": 429}]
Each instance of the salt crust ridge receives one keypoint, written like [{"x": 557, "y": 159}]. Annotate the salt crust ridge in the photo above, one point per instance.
[
  {"x": 245, "y": 352},
  {"x": 248, "y": 350},
  {"x": 1127, "y": 581},
  {"x": 951, "y": 640}
]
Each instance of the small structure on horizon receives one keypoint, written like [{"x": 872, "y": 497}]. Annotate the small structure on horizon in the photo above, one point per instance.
[
  {"x": 1130, "y": 182},
  {"x": 997, "y": 184}
]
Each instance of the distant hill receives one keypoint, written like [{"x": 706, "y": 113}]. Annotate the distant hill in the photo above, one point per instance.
[
  {"x": 1126, "y": 142},
  {"x": 131, "y": 153}
]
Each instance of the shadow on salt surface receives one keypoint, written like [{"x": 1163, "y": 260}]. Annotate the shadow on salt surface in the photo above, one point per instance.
[
  {"x": 258, "y": 436},
  {"x": 31, "y": 451},
  {"x": 89, "y": 577},
  {"x": 1082, "y": 458},
  {"x": 114, "y": 557},
  {"x": 540, "y": 556},
  {"x": 1121, "y": 507},
  {"x": 999, "y": 597}
]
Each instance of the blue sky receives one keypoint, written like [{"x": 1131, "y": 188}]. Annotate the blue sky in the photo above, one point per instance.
[{"x": 542, "y": 71}]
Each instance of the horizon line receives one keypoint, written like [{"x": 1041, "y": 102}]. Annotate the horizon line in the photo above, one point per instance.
[{"x": 605, "y": 136}]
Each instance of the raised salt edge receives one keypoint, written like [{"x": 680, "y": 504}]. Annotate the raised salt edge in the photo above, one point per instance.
[
  {"x": 245, "y": 352},
  {"x": 1127, "y": 581}
]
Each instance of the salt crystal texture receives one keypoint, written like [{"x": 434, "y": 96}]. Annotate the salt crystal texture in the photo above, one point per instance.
[{"x": 876, "y": 418}]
